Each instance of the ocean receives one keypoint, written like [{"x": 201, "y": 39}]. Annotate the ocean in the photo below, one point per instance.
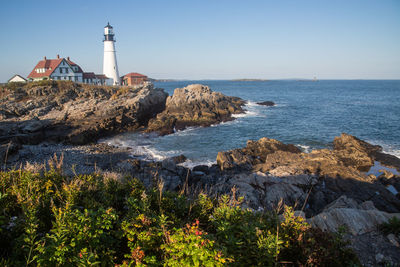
[{"x": 308, "y": 114}]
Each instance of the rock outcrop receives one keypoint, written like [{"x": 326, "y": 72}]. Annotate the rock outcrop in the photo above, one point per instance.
[
  {"x": 357, "y": 218},
  {"x": 266, "y": 103},
  {"x": 75, "y": 113},
  {"x": 253, "y": 154},
  {"x": 195, "y": 105},
  {"x": 340, "y": 171}
]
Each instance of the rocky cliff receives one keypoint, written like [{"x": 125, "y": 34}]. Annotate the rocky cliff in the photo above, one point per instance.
[
  {"x": 195, "y": 105},
  {"x": 74, "y": 113}
]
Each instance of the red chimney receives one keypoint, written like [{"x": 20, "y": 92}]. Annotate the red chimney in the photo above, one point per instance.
[
  {"x": 68, "y": 58},
  {"x": 58, "y": 56},
  {"x": 45, "y": 58}
]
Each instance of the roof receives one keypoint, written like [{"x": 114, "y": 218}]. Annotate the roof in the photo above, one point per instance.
[
  {"x": 72, "y": 64},
  {"x": 134, "y": 74},
  {"x": 16, "y": 75},
  {"x": 101, "y": 76},
  {"x": 108, "y": 25},
  {"x": 48, "y": 64},
  {"x": 89, "y": 75}
]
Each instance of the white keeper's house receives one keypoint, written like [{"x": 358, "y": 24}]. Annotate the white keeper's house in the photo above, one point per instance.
[{"x": 64, "y": 69}]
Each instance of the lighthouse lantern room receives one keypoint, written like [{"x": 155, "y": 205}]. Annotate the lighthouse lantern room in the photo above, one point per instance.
[{"x": 110, "y": 67}]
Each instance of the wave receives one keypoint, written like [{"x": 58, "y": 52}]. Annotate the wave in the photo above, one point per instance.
[
  {"x": 186, "y": 131},
  {"x": 387, "y": 148},
  {"x": 247, "y": 113},
  {"x": 252, "y": 109},
  {"x": 193, "y": 163},
  {"x": 250, "y": 103},
  {"x": 224, "y": 123},
  {"x": 304, "y": 148},
  {"x": 394, "y": 152}
]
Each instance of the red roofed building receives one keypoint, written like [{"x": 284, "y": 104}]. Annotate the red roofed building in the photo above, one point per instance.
[
  {"x": 64, "y": 69},
  {"x": 134, "y": 78},
  {"x": 56, "y": 69}
]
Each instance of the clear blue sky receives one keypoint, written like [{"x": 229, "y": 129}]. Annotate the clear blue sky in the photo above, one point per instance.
[{"x": 215, "y": 39}]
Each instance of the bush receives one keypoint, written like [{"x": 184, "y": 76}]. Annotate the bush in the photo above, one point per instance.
[
  {"x": 391, "y": 227},
  {"x": 48, "y": 219}
]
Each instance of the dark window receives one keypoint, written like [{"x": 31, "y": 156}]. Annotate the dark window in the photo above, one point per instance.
[
  {"x": 66, "y": 70},
  {"x": 61, "y": 69}
]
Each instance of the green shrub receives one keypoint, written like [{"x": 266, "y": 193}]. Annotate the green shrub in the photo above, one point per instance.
[
  {"x": 78, "y": 237},
  {"x": 391, "y": 227},
  {"x": 48, "y": 219},
  {"x": 238, "y": 232},
  {"x": 190, "y": 247}
]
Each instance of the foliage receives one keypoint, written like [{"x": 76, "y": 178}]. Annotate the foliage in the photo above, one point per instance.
[
  {"x": 190, "y": 247},
  {"x": 48, "y": 219},
  {"x": 391, "y": 227}
]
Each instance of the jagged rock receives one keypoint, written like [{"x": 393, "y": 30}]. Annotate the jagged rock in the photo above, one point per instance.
[
  {"x": 355, "y": 152},
  {"x": 171, "y": 163},
  {"x": 195, "y": 105},
  {"x": 337, "y": 171},
  {"x": 261, "y": 190},
  {"x": 362, "y": 154},
  {"x": 342, "y": 202},
  {"x": 356, "y": 221},
  {"x": 77, "y": 113},
  {"x": 254, "y": 153}
]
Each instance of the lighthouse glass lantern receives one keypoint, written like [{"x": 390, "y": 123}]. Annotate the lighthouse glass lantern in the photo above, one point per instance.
[{"x": 108, "y": 33}]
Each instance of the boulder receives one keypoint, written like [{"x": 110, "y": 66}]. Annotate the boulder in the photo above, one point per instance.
[
  {"x": 194, "y": 105},
  {"x": 254, "y": 153},
  {"x": 356, "y": 221}
]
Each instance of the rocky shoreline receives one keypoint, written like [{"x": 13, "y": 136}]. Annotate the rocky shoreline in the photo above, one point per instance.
[{"x": 51, "y": 125}]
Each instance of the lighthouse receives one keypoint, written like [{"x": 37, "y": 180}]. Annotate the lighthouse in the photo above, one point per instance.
[{"x": 110, "y": 67}]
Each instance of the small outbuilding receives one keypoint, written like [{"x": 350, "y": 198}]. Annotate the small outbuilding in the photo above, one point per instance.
[
  {"x": 133, "y": 78},
  {"x": 17, "y": 79}
]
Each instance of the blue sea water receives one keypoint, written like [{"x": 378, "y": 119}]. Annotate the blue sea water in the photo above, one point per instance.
[{"x": 308, "y": 114}]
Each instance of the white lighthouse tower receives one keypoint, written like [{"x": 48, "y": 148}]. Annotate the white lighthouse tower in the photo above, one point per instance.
[{"x": 110, "y": 67}]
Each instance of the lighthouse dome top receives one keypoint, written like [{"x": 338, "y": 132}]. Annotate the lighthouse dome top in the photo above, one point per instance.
[{"x": 108, "y": 26}]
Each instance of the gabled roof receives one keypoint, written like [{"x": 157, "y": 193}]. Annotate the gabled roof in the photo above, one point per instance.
[
  {"x": 16, "y": 75},
  {"x": 134, "y": 74},
  {"x": 72, "y": 64},
  {"x": 48, "y": 64}
]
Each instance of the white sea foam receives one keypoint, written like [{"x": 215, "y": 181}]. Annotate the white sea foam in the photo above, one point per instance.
[
  {"x": 247, "y": 113},
  {"x": 186, "y": 131},
  {"x": 224, "y": 123},
  {"x": 252, "y": 109},
  {"x": 193, "y": 163},
  {"x": 394, "y": 152},
  {"x": 387, "y": 148},
  {"x": 252, "y": 104},
  {"x": 304, "y": 148}
]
